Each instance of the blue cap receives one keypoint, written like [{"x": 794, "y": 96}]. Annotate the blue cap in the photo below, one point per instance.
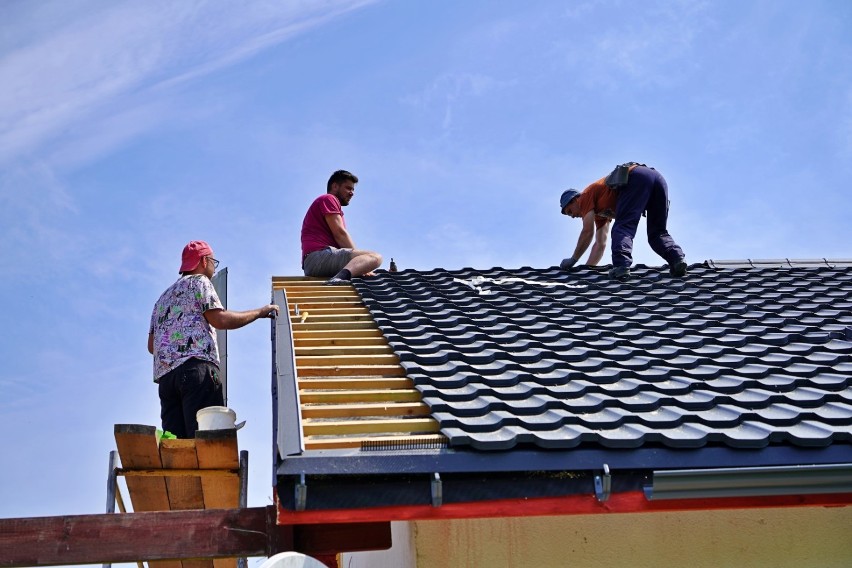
[{"x": 567, "y": 196}]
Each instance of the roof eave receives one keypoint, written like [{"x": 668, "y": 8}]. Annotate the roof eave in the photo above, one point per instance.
[{"x": 587, "y": 504}]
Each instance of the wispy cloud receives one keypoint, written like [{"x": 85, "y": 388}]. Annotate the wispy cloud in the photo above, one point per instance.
[
  {"x": 449, "y": 89},
  {"x": 32, "y": 203},
  {"x": 649, "y": 45},
  {"x": 98, "y": 62}
]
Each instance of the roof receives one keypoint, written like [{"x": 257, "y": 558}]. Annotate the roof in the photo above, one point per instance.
[
  {"x": 740, "y": 364},
  {"x": 742, "y": 357}
]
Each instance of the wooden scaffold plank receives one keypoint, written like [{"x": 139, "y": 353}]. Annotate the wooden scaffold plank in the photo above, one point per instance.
[{"x": 138, "y": 449}]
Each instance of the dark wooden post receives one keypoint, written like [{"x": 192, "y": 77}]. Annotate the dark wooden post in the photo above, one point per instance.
[{"x": 167, "y": 535}]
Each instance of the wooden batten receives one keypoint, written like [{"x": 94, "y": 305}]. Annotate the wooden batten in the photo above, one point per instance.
[
  {"x": 342, "y": 427},
  {"x": 351, "y": 386},
  {"x": 350, "y": 370},
  {"x": 341, "y": 316},
  {"x": 378, "y": 409},
  {"x": 341, "y": 360},
  {"x": 308, "y": 304},
  {"x": 336, "y": 350},
  {"x": 318, "y": 324},
  {"x": 349, "y": 442},
  {"x": 309, "y": 337},
  {"x": 354, "y": 382},
  {"x": 342, "y": 397}
]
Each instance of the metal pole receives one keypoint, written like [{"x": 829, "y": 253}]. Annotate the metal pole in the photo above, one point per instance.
[
  {"x": 111, "y": 486},
  {"x": 111, "y": 481},
  {"x": 242, "y": 562}
]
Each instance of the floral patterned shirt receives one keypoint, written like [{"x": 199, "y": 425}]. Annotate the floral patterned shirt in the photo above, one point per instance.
[{"x": 179, "y": 326}]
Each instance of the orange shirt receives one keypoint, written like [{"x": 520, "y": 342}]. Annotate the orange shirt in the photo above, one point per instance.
[{"x": 599, "y": 198}]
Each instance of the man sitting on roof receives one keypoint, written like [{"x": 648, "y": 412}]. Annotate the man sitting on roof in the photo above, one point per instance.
[
  {"x": 183, "y": 343},
  {"x": 327, "y": 247},
  {"x": 630, "y": 190}
]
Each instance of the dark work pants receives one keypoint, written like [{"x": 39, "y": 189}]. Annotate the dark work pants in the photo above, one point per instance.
[
  {"x": 646, "y": 190},
  {"x": 185, "y": 390}
]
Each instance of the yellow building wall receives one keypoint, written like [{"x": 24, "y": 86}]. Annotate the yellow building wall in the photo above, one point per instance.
[{"x": 819, "y": 537}]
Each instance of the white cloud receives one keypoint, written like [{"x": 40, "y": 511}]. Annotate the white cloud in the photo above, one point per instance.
[{"x": 114, "y": 56}]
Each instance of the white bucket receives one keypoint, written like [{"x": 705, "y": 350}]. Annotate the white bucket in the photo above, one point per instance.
[{"x": 217, "y": 418}]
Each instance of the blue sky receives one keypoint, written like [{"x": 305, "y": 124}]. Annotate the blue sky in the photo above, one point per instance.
[{"x": 129, "y": 128}]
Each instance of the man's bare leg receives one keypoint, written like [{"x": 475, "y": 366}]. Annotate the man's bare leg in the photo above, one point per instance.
[{"x": 362, "y": 263}]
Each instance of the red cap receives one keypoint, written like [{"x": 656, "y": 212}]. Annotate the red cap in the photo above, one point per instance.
[{"x": 192, "y": 255}]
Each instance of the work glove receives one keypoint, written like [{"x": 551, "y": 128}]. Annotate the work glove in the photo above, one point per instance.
[{"x": 568, "y": 263}]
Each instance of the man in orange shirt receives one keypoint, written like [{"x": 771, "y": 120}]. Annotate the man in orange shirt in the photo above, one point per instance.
[{"x": 622, "y": 198}]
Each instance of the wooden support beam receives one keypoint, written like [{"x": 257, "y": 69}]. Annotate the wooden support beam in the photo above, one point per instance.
[
  {"x": 178, "y": 473},
  {"x": 216, "y": 533}
]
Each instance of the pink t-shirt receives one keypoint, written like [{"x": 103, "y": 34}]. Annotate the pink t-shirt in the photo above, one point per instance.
[{"x": 316, "y": 234}]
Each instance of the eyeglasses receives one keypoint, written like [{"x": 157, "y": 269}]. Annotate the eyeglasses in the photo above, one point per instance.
[{"x": 215, "y": 262}]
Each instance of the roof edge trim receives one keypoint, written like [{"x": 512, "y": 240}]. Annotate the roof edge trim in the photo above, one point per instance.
[
  {"x": 288, "y": 431},
  {"x": 750, "y": 482}
]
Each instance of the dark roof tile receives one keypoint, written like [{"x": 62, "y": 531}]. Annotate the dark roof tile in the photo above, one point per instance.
[{"x": 742, "y": 356}]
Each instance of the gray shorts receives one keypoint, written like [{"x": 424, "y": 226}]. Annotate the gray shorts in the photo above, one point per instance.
[{"x": 326, "y": 262}]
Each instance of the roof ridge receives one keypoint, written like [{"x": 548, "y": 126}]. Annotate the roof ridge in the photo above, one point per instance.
[{"x": 779, "y": 262}]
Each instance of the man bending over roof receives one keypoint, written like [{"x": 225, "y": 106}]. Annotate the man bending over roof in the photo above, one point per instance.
[
  {"x": 630, "y": 190},
  {"x": 327, "y": 247},
  {"x": 183, "y": 343}
]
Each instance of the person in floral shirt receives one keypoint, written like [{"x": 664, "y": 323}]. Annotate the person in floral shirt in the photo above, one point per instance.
[{"x": 182, "y": 339}]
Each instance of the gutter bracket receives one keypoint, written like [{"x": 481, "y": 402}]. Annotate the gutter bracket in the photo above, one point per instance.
[
  {"x": 301, "y": 496},
  {"x": 603, "y": 484},
  {"x": 437, "y": 490}
]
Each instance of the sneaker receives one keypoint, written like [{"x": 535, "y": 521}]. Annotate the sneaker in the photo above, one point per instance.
[
  {"x": 621, "y": 273},
  {"x": 335, "y": 281},
  {"x": 678, "y": 268}
]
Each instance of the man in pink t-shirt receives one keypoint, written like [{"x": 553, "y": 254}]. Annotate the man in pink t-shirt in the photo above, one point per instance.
[{"x": 327, "y": 247}]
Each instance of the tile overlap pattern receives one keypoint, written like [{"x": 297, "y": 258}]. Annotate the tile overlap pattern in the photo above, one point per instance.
[{"x": 742, "y": 357}]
